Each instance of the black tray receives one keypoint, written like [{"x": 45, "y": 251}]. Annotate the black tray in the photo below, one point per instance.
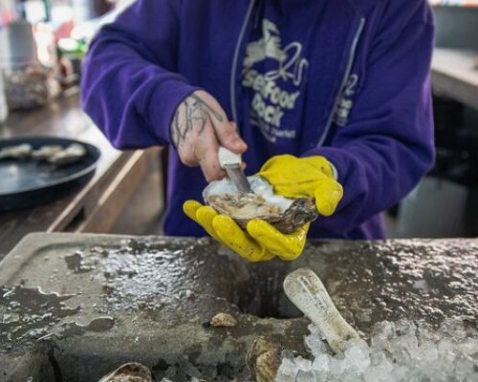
[{"x": 27, "y": 182}]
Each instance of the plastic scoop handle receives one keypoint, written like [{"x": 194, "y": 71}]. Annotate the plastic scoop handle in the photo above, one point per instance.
[{"x": 307, "y": 292}]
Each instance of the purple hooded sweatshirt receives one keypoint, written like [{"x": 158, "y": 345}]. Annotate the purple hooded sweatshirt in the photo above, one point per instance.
[{"x": 345, "y": 79}]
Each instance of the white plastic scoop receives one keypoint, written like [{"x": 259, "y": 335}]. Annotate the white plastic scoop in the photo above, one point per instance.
[{"x": 307, "y": 292}]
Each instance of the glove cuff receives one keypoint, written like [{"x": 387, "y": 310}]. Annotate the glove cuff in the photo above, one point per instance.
[{"x": 335, "y": 173}]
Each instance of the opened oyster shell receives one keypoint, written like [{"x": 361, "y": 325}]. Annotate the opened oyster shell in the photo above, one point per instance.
[
  {"x": 129, "y": 372},
  {"x": 286, "y": 214},
  {"x": 16, "y": 152}
]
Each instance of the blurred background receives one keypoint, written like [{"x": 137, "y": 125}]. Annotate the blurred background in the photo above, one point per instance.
[
  {"x": 43, "y": 43},
  {"x": 47, "y": 38}
]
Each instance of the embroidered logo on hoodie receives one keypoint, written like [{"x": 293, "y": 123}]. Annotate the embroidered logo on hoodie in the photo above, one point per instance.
[
  {"x": 276, "y": 89},
  {"x": 346, "y": 102}
]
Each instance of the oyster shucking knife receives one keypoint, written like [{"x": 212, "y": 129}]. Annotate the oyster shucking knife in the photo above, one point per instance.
[
  {"x": 231, "y": 162},
  {"x": 307, "y": 292}
]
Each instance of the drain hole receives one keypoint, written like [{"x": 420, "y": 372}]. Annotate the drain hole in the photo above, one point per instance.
[
  {"x": 55, "y": 365},
  {"x": 184, "y": 369},
  {"x": 263, "y": 295}
]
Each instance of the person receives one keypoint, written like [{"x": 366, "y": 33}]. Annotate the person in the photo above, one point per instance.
[{"x": 324, "y": 98}]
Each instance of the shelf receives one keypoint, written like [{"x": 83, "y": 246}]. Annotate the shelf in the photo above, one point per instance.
[{"x": 455, "y": 74}]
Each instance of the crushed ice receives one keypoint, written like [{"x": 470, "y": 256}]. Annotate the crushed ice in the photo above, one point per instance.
[{"x": 396, "y": 352}]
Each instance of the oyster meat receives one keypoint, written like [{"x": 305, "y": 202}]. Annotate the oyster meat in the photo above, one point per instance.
[
  {"x": 46, "y": 152},
  {"x": 286, "y": 214},
  {"x": 70, "y": 154},
  {"x": 16, "y": 152},
  {"x": 54, "y": 154}
]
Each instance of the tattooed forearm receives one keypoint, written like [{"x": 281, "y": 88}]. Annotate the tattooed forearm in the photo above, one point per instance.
[
  {"x": 191, "y": 115},
  {"x": 214, "y": 112},
  {"x": 175, "y": 129}
]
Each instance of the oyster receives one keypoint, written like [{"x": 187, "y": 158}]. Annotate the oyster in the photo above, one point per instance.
[
  {"x": 71, "y": 154},
  {"x": 263, "y": 359},
  {"x": 129, "y": 372},
  {"x": 223, "y": 320},
  {"x": 285, "y": 214},
  {"x": 16, "y": 152},
  {"x": 46, "y": 152},
  {"x": 54, "y": 154}
]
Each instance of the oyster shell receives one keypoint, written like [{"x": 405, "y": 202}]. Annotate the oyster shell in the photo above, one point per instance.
[
  {"x": 129, "y": 372},
  {"x": 263, "y": 359},
  {"x": 223, "y": 320},
  {"x": 70, "y": 154},
  {"x": 285, "y": 214},
  {"x": 54, "y": 154},
  {"x": 16, "y": 152},
  {"x": 46, "y": 152}
]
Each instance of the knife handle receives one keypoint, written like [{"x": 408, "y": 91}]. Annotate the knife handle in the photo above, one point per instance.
[{"x": 229, "y": 159}]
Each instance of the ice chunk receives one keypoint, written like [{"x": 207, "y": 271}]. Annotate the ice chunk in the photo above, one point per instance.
[
  {"x": 427, "y": 353},
  {"x": 321, "y": 366},
  {"x": 398, "y": 352},
  {"x": 380, "y": 372},
  {"x": 357, "y": 353},
  {"x": 382, "y": 332},
  {"x": 308, "y": 376},
  {"x": 404, "y": 347},
  {"x": 288, "y": 371},
  {"x": 303, "y": 364},
  {"x": 315, "y": 343}
]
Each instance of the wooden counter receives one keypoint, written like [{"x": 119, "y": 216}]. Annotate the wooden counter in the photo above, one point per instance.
[
  {"x": 93, "y": 208},
  {"x": 455, "y": 74}
]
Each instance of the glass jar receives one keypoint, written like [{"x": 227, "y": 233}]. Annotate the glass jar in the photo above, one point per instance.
[
  {"x": 28, "y": 63},
  {"x": 28, "y": 85}
]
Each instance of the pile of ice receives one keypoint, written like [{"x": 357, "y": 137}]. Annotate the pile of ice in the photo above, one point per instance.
[{"x": 397, "y": 352}]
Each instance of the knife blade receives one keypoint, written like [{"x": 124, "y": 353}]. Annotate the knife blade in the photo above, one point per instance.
[
  {"x": 231, "y": 162},
  {"x": 239, "y": 179}
]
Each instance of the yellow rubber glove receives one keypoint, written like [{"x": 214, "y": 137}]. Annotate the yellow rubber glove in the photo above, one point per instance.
[
  {"x": 292, "y": 177},
  {"x": 295, "y": 177},
  {"x": 261, "y": 242}
]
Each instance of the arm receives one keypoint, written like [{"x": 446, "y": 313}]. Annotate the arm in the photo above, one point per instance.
[
  {"x": 388, "y": 144},
  {"x": 129, "y": 86},
  {"x": 131, "y": 90}
]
